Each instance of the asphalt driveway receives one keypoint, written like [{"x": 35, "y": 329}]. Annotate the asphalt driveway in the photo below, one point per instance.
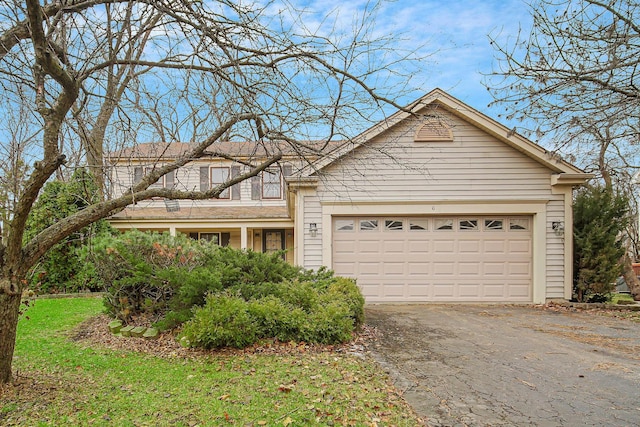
[{"x": 479, "y": 365}]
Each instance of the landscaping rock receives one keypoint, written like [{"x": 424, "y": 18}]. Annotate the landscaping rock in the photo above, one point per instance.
[
  {"x": 138, "y": 331},
  {"x": 115, "y": 326},
  {"x": 126, "y": 331},
  {"x": 151, "y": 334}
]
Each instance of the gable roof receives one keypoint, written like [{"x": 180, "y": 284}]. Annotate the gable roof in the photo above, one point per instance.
[{"x": 466, "y": 113}]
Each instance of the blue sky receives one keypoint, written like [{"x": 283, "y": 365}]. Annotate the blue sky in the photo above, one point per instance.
[{"x": 454, "y": 35}]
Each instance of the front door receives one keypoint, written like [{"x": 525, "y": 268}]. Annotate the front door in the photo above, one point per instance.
[{"x": 272, "y": 241}]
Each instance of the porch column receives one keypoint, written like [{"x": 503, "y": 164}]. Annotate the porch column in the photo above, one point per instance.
[
  {"x": 243, "y": 237},
  {"x": 172, "y": 231}
]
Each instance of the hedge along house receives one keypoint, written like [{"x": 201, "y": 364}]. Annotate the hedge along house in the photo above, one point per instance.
[{"x": 437, "y": 203}]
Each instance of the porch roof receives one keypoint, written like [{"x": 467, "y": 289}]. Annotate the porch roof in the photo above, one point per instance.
[{"x": 203, "y": 213}]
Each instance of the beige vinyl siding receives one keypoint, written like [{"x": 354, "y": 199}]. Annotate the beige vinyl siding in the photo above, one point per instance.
[
  {"x": 188, "y": 179},
  {"x": 473, "y": 166},
  {"x": 312, "y": 245},
  {"x": 555, "y": 249}
]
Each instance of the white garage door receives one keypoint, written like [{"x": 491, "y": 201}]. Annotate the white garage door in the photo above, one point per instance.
[{"x": 446, "y": 259}]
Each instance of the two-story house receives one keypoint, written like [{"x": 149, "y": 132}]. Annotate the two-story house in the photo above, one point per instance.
[
  {"x": 250, "y": 215},
  {"x": 435, "y": 203}
]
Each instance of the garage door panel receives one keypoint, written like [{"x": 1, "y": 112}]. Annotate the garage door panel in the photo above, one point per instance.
[
  {"x": 418, "y": 291},
  {"x": 418, "y": 268},
  {"x": 519, "y": 269},
  {"x": 425, "y": 264},
  {"x": 345, "y": 247},
  {"x": 496, "y": 291},
  {"x": 394, "y": 246},
  {"x": 468, "y": 290},
  {"x": 443, "y": 268},
  {"x": 444, "y": 246},
  {"x": 469, "y": 269},
  {"x": 520, "y": 246},
  {"x": 369, "y": 246},
  {"x": 495, "y": 268},
  {"x": 495, "y": 247},
  {"x": 521, "y": 292},
  {"x": 393, "y": 269},
  {"x": 369, "y": 269},
  {"x": 468, "y": 246},
  {"x": 443, "y": 290},
  {"x": 418, "y": 246},
  {"x": 393, "y": 289}
]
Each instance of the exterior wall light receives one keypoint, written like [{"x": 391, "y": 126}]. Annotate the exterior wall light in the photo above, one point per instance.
[
  {"x": 558, "y": 228},
  {"x": 313, "y": 229}
]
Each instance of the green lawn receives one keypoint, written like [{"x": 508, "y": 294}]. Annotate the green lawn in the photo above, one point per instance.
[{"x": 61, "y": 382}]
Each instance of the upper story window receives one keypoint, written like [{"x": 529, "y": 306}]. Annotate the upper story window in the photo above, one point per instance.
[
  {"x": 210, "y": 177},
  {"x": 218, "y": 177},
  {"x": 271, "y": 184},
  {"x": 165, "y": 181}
]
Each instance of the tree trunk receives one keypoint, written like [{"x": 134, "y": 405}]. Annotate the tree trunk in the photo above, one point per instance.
[
  {"x": 9, "y": 310},
  {"x": 630, "y": 277}
]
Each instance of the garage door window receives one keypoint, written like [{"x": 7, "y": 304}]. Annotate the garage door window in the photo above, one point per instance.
[
  {"x": 493, "y": 224},
  {"x": 444, "y": 224},
  {"x": 393, "y": 225},
  {"x": 344, "y": 225},
  {"x": 518, "y": 224},
  {"x": 368, "y": 224},
  {"x": 418, "y": 224},
  {"x": 468, "y": 225}
]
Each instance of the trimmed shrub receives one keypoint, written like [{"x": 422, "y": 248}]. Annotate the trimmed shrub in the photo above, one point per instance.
[
  {"x": 324, "y": 312},
  {"x": 223, "y": 296},
  {"x": 224, "y": 321},
  {"x": 346, "y": 291},
  {"x": 328, "y": 324}
]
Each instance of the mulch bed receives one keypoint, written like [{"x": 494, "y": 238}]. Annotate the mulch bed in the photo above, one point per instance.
[{"x": 94, "y": 331}]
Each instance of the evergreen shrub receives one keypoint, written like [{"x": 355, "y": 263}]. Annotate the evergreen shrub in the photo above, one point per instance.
[{"x": 600, "y": 216}]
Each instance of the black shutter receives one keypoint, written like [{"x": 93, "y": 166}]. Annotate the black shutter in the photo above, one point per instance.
[
  {"x": 235, "y": 190},
  {"x": 256, "y": 187},
  {"x": 224, "y": 239},
  {"x": 204, "y": 178}
]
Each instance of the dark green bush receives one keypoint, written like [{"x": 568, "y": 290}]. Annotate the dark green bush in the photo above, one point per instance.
[
  {"x": 224, "y": 321},
  {"x": 223, "y": 296},
  {"x": 60, "y": 269},
  {"x": 600, "y": 216},
  {"x": 237, "y": 267},
  {"x": 277, "y": 319},
  {"x": 330, "y": 323},
  {"x": 346, "y": 291},
  {"x": 142, "y": 272},
  {"x": 326, "y": 311}
]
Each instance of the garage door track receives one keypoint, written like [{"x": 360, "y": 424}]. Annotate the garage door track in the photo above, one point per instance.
[{"x": 479, "y": 365}]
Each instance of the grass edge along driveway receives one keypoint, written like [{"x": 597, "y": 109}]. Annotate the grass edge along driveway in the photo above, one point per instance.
[{"x": 62, "y": 382}]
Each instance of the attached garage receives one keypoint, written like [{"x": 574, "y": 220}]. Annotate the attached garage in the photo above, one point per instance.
[
  {"x": 439, "y": 204},
  {"x": 449, "y": 258}
]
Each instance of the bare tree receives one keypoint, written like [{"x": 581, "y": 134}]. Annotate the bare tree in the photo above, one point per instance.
[
  {"x": 576, "y": 77},
  {"x": 94, "y": 71}
]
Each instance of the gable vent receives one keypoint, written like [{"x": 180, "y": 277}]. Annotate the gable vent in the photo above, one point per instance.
[{"x": 434, "y": 130}]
